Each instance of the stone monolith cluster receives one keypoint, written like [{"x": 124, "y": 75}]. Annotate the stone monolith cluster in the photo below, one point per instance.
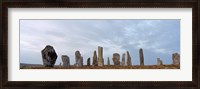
[
  {"x": 88, "y": 62},
  {"x": 49, "y": 56},
  {"x": 116, "y": 59},
  {"x": 100, "y": 56},
  {"x": 78, "y": 59},
  {"x": 95, "y": 62},
  {"x": 141, "y": 57},
  {"x": 176, "y": 58},
  {"x": 65, "y": 60},
  {"x": 129, "y": 63},
  {"x": 159, "y": 61},
  {"x": 123, "y": 59},
  {"x": 108, "y": 61}
]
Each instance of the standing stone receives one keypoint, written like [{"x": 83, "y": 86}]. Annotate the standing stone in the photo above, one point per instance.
[
  {"x": 95, "y": 62},
  {"x": 159, "y": 61},
  {"x": 108, "y": 62},
  {"x": 123, "y": 59},
  {"x": 141, "y": 57},
  {"x": 100, "y": 56},
  {"x": 116, "y": 59},
  {"x": 60, "y": 64},
  {"x": 78, "y": 59},
  {"x": 49, "y": 56},
  {"x": 88, "y": 62},
  {"x": 176, "y": 58},
  {"x": 129, "y": 63},
  {"x": 65, "y": 60}
]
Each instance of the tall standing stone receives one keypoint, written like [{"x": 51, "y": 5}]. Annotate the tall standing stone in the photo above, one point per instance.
[
  {"x": 141, "y": 57},
  {"x": 116, "y": 59},
  {"x": 159, "y": 61},
  {"x": 108, "y": 62},
  {"x": 123, "y": 59},
  {"x": 129, "y": 63},
  {"x": 95, "y": 62},
  {"x": 78, "y": 59},
  {"x": 49, "y": 56},
  {"x": 176, "y": 58},
  {"x": 65, "y": 60},
  {"x": 100, "y": 56},
  {"x": 88, "y": 62}
]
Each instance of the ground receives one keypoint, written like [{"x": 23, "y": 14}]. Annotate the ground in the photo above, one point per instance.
[{"x": 104, "y": 67}]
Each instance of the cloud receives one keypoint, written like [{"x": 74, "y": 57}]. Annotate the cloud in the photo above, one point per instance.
[
  {"x": 162, "y": 50},
  {"x": 158, "y": 38}
]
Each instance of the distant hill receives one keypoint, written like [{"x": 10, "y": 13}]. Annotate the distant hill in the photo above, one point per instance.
[
  {"x": 26, "y": 65},
  {"x": 40, "y": 66}
]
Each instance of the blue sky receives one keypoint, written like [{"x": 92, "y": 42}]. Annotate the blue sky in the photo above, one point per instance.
[{"x": 158, "y": 38}]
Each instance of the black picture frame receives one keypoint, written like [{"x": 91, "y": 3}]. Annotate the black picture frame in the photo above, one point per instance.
[{"x": 194, "y": 4}]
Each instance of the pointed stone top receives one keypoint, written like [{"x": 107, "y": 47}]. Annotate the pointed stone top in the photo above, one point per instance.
[
  {"x": 176, "y": 53},
  {"x": 158, "y": 59},
  {"x": 127, "y": 52},
  {"x": 77, "y": 52},
  {"x": 48, "y": 46},
  {"x": 115, "y": 53}
]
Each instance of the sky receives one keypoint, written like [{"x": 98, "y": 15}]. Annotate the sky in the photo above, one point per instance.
[{"x": 157, "y": 38}]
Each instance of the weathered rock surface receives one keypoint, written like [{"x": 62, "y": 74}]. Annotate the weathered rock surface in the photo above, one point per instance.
[
  {"x": 123, "y": 59},
  {"x": 100, "y": 56},
  {"x": 141, "y": 57},
  {"x": 108, "y": 61},
  {"x": 95, "y": 62},
  {"x": 176, "y": 58},
  {"x": 60, "y": 65},
  {"x": 116, "y": 59},
  {"x": 159, "y": 61},
  {"x": 65, "y": 60},
  {"x": 88, "y": 62},
  {"x": 129, "y": 63},
  {"x": 78, "y": 59},
  {"x": 49, "y": 56}
]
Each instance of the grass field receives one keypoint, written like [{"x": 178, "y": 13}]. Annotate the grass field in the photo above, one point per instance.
[{"x": 104, "y": 67}]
